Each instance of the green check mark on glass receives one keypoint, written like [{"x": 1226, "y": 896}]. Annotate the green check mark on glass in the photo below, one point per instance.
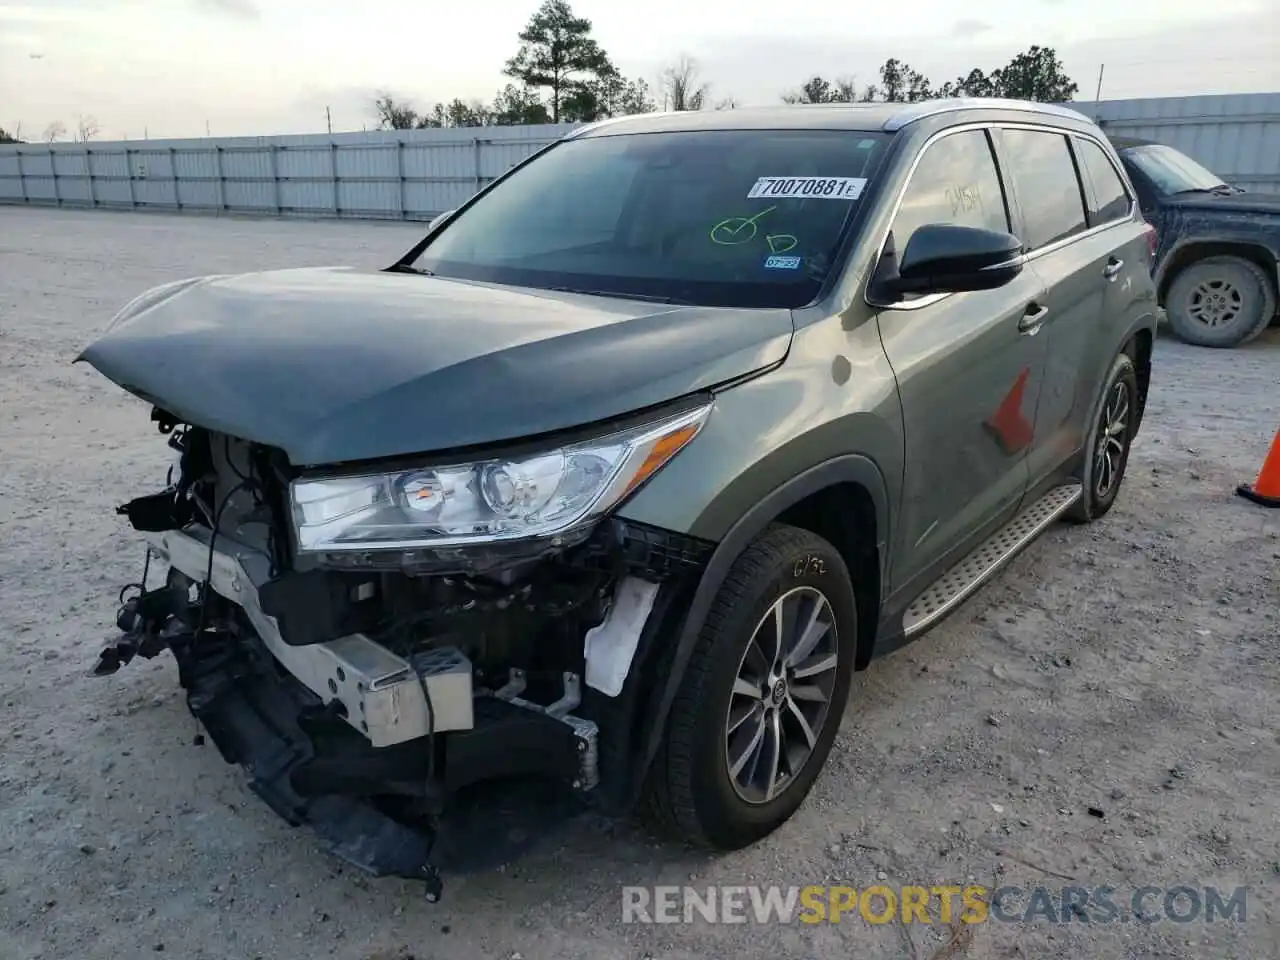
[{"x": 736, "y": 230}]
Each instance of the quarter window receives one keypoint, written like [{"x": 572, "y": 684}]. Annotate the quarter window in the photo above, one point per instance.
[
  {"x": 1048, "y": 188},
  {"x": 955, "y": 182},
  {"x": 1111, "y": 199}
]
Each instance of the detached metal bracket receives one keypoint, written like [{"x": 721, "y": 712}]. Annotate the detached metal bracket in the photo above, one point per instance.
[
  {"x": 586, "y": 731},
  {"x": 517, "y": 681}
]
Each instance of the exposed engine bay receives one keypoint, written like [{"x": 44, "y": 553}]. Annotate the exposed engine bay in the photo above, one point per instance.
[{"x": 368, "y": 692}]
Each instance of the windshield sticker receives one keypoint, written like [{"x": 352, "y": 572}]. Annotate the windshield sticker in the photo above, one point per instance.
[
  {"x": 780, "y": 242},
  {"x": 866, "y": 144},
  {"x": 736, "y": 230},
  {"x": 817, "y": 188},
  {"x": 782, "y": 263}
]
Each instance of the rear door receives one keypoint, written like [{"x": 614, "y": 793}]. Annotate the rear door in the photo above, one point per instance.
[
  {"x": 1080, "y": 250},
  {"x": 968, "y": 373}
]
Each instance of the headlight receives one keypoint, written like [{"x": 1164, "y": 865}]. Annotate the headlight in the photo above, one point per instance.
[{"x": 536, "y": 496}]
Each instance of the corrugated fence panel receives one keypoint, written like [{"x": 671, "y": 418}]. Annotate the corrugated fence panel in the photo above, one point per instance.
[
  {"x": 1237, "y": 136},
  {"x": 72, "y": 172},
  {"x": 304, "y": 175},
  {"x": 416, "y": 174},
  {"x": 398, "y": 174},
  {"x": 367, "y": 179}
]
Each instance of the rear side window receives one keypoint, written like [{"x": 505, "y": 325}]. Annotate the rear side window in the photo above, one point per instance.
[
  {"x": 1111, "y": 199},
  {"x": 1048, "y": 188},
  {"x": 956, "y": 182}
]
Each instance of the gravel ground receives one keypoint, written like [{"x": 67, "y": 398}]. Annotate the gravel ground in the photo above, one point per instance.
[{"x": 1130, "y": 666}]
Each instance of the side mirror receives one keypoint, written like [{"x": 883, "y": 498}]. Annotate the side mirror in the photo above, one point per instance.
[
  {"x": 439, "y": 219},
  {"x": 946, "y": 258}
]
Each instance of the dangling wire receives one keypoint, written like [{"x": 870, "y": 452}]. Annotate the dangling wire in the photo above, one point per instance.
[
  {"x": 140, "y": 586},
  {"x": 206, "y": 587}
]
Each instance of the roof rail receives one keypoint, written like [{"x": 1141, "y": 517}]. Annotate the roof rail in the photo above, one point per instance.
[{"x": 929, "y": 108}]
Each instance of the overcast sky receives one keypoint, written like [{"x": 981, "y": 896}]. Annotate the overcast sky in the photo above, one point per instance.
[{"x": 168, "y": 67}]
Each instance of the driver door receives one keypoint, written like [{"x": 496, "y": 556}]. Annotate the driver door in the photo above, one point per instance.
[{"x": 969, "y": 368}]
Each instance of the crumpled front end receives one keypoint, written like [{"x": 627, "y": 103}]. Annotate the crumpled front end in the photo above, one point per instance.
[{"x": 419, "y": 716}]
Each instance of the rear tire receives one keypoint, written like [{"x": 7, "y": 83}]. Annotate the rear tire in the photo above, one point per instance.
[
  {"x": 1106, "y": 453},
  {"x": 1220, "y": 302},
  {"x": 736, "y": 684}
]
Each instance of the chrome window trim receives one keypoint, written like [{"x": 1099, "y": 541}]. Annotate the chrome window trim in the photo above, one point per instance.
[{"x": 1026, "y": 258}]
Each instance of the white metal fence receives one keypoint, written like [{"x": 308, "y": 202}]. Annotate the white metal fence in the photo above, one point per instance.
[
  {"x": 1237, "y": 136},
  {"x": 415, "y": 174},
  {"x": 405, "y": 175}
]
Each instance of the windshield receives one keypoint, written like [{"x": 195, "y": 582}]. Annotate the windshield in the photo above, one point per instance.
[
  {"x": 1171, "y": 171},
  {"x": 744, "y": 218}
]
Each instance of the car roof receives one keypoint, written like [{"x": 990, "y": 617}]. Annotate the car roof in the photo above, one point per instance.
[{"x": 886, "y": 117}]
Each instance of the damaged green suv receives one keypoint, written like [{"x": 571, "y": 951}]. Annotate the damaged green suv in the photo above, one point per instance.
[{"x": 603, "y": 491}]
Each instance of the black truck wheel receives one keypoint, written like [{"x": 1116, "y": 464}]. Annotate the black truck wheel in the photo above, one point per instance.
[
  {"x": 1220, "y": 302},
  {"x": 761, "y": 700}
]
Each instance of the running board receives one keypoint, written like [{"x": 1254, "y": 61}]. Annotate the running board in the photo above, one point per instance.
[{"x": 962, "y": 580}]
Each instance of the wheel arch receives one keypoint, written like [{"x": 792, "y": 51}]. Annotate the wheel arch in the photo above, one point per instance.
[
  {"x": 1192, "y": 251},
  {"x": 1139, "y": 347},
  {"x": 838, "y": 499}
]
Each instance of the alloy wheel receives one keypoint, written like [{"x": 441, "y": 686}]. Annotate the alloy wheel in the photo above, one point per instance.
[
  {"x": 1113, "y": 438},
  {"x": 781, "y": 695}
]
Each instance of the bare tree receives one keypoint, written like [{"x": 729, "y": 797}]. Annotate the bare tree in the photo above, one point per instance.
[
  {"x": 844, "y": 90},
  {"x": 820, "y": 90},
  {"x": 394, "y": 114},
  {"x": 680, "y": 87},
  {"x": 87, "y": 129},
  {"x": 54, "y": 131}
]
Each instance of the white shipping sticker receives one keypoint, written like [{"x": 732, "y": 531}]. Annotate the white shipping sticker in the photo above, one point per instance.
[{"x": 819, "y": 188}]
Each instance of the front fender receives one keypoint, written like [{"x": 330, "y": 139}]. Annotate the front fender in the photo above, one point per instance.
[
  {"x": 851, "y": 468},
  {"x": 768, "y": 444}
]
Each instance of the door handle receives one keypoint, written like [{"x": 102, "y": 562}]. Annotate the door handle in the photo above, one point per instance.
[
  {"x": 1033, "y": 319},
  {"x": 1113, "y": 268}
]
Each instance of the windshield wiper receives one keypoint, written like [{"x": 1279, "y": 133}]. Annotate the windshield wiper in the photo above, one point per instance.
[
  {"x": 1220, "y": 188},
  {"x": 406, "y": 268},
  {"x": 617, "y": 296}
]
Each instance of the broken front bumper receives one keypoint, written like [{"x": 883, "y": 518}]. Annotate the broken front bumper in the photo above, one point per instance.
[
  {"x": 340, "y": 735},
  {"x": 383, "y": 695}
]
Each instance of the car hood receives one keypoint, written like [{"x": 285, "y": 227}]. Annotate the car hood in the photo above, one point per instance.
[
  {"x": 336, "y": 364},
  {"x": 1264, "y": 204}
]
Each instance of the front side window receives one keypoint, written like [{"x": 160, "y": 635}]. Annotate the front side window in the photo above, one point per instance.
[
  {"x": 955, "y": 182},
  {"x": 1048, "y": 188},
  {"x": 1171, "y": 171},
  {"x": 750, "y": 218},
  {"x": 1111, "y": 197}
]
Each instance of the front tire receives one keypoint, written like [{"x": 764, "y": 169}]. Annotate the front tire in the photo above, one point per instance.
[
  {"x": 761, "y": 700},
  {"x": 1106, "y": 454},
  {"x": 1220, "y": 302}
]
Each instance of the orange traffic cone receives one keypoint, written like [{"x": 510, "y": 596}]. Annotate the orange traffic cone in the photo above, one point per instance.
[{"x": 1266, "y": 491}]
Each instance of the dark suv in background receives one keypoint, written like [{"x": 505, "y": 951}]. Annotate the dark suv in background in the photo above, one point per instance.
[
  {"x": 1216, "y": 265},
  {"x": 620, "y": 473}
]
